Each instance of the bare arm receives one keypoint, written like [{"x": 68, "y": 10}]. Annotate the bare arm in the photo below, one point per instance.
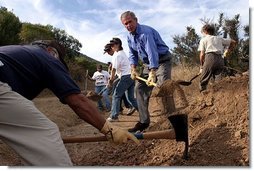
[
  {"x": 202, "y": 57},
  {"x": 88, "y": 76},
  {"x": 232, "y": 44},
  {"x": 113, "y": 73},
  {"x": 85, "y": 109}
]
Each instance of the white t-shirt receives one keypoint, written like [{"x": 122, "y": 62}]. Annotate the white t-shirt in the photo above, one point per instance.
[
  {"x": 101, "y": 78},
  {"x": 121, "y": 63},
  {"x": 215, "y": 44}
]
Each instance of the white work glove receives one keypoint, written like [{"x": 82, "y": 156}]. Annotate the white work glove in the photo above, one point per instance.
[
  {"x": 117, "y": 135},
  {"x": 151, "y": 78},
  {"x": 200, "y": 70},
  {"x": 225, "y": 54},
  {"x": 134, "y": 73},
  {"x": 110, "y": 82}
]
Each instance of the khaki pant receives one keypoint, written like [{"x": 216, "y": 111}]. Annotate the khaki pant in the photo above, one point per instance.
[
  {"x": 29, "y": 132},
  {"x": 213, "y": 66}
]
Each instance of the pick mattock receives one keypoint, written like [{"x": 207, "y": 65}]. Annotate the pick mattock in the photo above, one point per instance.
[{"x": 180, "y": 133}]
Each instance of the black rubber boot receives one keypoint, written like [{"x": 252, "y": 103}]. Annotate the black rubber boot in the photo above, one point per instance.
[{"x": 180, "y": 124}]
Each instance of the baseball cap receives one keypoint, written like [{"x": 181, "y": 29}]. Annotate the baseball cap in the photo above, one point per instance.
[
  {"x": 53, "y": 43},
  {"x": 107, "y": 48},
  {"x": 116, "y": 40}
]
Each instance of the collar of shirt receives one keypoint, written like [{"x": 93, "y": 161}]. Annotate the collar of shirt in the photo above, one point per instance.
[{"x": 143, "y": 43}]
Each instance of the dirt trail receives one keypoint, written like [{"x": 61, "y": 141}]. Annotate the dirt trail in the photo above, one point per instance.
[{"x": 219, "y": 131}]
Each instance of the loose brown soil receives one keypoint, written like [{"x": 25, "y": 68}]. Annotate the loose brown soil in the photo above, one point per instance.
[{"x": 218, "y": 131}]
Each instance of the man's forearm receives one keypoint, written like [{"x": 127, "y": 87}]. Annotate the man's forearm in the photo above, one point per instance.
[
  {"x": 202, "y": 58},
  {"x": 86, "y": 110}
]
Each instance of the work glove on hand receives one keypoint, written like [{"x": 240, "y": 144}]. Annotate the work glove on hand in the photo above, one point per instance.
[
  {"x": 110, "y": 82},
  {"x": 117, "y": 135},
  {"x": 200, "y": 70},
  {"x": 134, "y": 73},
  {"x": 225, "y": 54},
  {"x": 151, "y": 78}
]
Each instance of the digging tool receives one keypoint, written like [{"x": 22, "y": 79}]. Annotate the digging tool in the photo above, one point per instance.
[
  {"x": 166, "y": 134},
  {"x": 180, "y": 133},
  {"x": 180, "y": 82},
  {"x": 142, "y": 79},
  {"x": 97, "y": 96},
  {"x": 187, "y": 83}
]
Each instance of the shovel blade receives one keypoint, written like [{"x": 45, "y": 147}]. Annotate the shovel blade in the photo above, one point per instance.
[{"x": 93, "y": 96}]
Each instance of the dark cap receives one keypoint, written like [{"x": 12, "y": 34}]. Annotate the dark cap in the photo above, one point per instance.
[
  {"x": 107, "y": 47},
  {"x": 53, "y": 43},
  {"x": 116, "y": 40}
]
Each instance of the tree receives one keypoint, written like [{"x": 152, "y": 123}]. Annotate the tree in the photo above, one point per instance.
[
  {"x": 187, "y": 44},
  {"x": 185, "y": 51},
  {"x": 72, "y": 45},
  {"x": 245, "y": 44},
  {"x": 10, "y": 26},
  {"x": 31, "y": 32}
]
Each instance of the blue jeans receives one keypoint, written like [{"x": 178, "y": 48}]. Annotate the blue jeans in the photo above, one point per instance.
[
  {"x": 125, "y": 85},
  {"x": 105, "y": 97}
]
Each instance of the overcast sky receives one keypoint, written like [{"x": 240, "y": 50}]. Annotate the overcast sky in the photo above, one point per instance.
[{"x": 95, "y": 22}]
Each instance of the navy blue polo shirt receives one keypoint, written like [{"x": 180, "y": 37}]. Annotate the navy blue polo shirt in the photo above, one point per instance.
[{"x": 30, "y": 69}]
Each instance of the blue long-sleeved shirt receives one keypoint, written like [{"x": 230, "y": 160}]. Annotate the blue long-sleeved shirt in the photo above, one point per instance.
[{"x": 147, "y": 45}]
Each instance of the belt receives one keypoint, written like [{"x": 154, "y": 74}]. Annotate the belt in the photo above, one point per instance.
[
  {"x": 216, "y": 53},
  {"x": 164, "y": 57}
]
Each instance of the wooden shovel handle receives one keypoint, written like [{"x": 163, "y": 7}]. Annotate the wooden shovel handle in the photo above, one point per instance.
[
  {"x": 165, "y": 134},
  {"x": 142, "y": 79},
  {"x": 194, "y": 77}
]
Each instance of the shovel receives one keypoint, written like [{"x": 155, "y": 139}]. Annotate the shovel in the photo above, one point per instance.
[
  {"x": 94, "y": 96},
  {"x": 142, "y": 79},
  {"x": 97, "y": 96},
  {"x": 187, "y": 83},
  {"x": 180, "y": 82},
  {"x": 179, "y": 133}
]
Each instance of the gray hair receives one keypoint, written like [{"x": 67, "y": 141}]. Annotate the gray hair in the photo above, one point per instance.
[{"x": 128, "y": 13}]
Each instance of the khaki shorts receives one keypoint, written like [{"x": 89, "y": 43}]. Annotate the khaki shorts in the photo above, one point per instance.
[{"x": 29, "y": 132}]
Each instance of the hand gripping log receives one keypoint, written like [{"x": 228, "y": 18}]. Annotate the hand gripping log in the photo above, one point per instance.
[{"x": 180, "y": 133}]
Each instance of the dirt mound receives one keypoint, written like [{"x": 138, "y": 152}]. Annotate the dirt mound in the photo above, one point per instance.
[{"x": 218, "y": 131}]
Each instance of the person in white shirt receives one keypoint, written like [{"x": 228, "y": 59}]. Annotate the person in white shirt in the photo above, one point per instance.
[
  {"x": 120, "y": 67},
  {"x": 101, "y": 79},
  {"x": 211, "y": 48}
]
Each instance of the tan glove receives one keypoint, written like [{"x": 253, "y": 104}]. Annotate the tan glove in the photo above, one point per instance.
[
  {"x": 110, "y": 82},
  {"x": 134, "y": 73},
  {"x": 200, "y": 70},
  {"x": 225, "y": 54},
  {"x": 117, "y": 135},
  {"x": 151, "y": 77}
]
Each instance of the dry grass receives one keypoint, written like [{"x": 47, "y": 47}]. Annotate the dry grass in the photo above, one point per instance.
[{"x": 184, "y": 73}]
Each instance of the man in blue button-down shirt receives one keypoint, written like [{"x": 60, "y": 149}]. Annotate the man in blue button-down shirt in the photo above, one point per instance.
[{"x": 146, "y": 44}]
